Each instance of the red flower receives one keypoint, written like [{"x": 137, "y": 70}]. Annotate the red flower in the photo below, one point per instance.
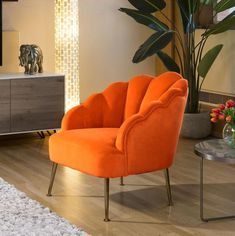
[
  {"x": 221, "y": 107},
  {"x": 221, "y": 117},
  {"x": 216, "y": 111},
  {"x": 229, "y": 119},
  {"x": 213, "y": 114},
  {"x": 214, "y": 119},
  {"x": 224, "y": 112},
  {"x": 230, "y": 103}
]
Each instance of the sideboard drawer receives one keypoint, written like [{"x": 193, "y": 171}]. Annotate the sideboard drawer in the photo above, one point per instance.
[
  {"x": 4, "y": 106},
  {"x": 37, "y": 103}
]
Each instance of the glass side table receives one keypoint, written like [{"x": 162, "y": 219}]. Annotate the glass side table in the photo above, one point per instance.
[{"x": 213, "y": 150}]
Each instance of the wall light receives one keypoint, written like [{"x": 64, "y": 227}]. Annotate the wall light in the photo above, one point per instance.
[{"x": 67, "y": 48}]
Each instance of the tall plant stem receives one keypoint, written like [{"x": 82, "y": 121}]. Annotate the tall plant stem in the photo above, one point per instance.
[
  {"x": 199, "y": 56},
  {"x": 192, "y": 105},
  {"x": 198, "y": 44},
  {"x": 181, "y": 43},
  {"x": 180, "y": 58},
  {"x": 194, "y": 55}
]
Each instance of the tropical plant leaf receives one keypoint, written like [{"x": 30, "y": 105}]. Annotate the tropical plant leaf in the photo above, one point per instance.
[
  {"x": 222, "y": 26},
  {"x": 207, "y": 2},
  {"x": 184, "y": 13},
  {"x": 148, "y": 6},
  {"x": 145, "y": 19},
  {"x": 187, "y": 10},
  {"x": 168, "y": 62},
  {"x": 152, "y": 45},
  {"x": 224, "y": 5},
  {"x": 208, "y": 60},
  {"x": 230, "y": 15}
]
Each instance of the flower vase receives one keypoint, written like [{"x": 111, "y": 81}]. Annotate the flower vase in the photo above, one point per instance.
[{"x": 229, "y": 135}]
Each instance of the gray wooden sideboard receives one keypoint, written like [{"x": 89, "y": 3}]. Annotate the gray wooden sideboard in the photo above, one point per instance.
[{"x": 30, "y": 103}]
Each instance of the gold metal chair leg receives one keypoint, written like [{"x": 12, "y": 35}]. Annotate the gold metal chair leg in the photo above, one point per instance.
[
  {"x": 53, "y": 172},
  {"x": 106, "y": 199},
  {"x": 121, "y": 181},
  {"x": 168, "y": 187}
]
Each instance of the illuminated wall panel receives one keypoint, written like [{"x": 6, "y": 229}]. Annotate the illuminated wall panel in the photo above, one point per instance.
[{"x": 67, "y": 47}]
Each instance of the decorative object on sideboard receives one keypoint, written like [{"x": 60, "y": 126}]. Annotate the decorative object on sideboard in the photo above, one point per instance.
[
  {"x": 31, "y": 58},
  {"x": 227, "y": 113}
]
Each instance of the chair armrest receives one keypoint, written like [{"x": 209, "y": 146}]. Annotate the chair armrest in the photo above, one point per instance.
[
  {"x": 149, "y": 138},
  {"x": 126, "y": 130},
  {"x": 87, "y": 115}
]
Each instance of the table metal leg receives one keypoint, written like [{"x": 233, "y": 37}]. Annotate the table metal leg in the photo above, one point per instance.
[
  {"x": 202, "y": 199},
  {"x": 201, "y": 192}
]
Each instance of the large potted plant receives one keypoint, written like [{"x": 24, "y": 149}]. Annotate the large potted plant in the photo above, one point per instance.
[{"x": 193, "y": 63}]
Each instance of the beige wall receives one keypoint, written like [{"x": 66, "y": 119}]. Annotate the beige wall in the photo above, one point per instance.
[
  {"x": 10, "y": 41},
  {"x": 34, "y": 19},
  {"x": 108, "y": 40},
  {"x": 221, "y": 77}
]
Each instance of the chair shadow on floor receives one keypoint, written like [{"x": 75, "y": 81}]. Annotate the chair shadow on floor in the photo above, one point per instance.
[{"x": 152, "y": 201}]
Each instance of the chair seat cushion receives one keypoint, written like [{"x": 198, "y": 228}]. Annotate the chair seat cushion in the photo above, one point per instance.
[{"x": 91, "y": 151}]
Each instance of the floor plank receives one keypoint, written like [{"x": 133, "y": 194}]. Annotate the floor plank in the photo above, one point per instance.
[{"x": 139, "y": 207}]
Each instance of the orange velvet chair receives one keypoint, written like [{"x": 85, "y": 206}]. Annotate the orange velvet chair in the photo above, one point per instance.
[{"x": 130, "y": 128}]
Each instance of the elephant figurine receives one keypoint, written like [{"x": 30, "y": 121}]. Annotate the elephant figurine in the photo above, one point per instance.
[{"x": 31, "y": 58}]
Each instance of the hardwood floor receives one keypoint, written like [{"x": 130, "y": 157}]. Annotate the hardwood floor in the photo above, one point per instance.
[{"x": 139, "y": 207}]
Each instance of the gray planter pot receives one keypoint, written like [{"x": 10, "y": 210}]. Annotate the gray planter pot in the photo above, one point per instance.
[{"x": 196, "y": 125}]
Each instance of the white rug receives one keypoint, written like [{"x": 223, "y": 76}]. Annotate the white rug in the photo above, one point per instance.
[{"x": 22, "y": 216}]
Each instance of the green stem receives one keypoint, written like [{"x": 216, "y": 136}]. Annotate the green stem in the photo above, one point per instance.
[
  {"x": 181, "y": 43},
  {"x": 181, "y": 62}
]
